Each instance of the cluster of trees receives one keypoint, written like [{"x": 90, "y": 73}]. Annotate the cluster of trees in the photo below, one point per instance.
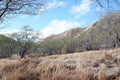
[{"x": 63, "y": 46}]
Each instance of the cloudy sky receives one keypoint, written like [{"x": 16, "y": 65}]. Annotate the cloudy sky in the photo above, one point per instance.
[{"x": 56, "y": 16}]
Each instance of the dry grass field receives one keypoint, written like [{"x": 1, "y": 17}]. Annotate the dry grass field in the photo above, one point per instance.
[{"x": 92, "y": 65}]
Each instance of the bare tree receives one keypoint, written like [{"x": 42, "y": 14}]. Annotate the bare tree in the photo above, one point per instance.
[
  {"x": 24, "y": 40},
  {"x": 30, "y": 7},
  {"x": 108, "y": 2}
]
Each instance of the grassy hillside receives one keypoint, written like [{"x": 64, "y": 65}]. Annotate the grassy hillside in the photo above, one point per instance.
[
  {"x": 92, "y": 65},
  {"x": 6, "y": 46}
]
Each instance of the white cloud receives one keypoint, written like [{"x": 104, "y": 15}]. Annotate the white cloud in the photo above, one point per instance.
[
  {"x": 81, "y": 9},
  {"x": 57, "y": 26},
  {"x": 7, "y": 32},
  {"x": 53, "y": 4},
  {"x": 48, "y": 6}
]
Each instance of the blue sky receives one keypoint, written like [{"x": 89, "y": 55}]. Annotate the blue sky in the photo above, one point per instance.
[{"x": 56, "y": 17}]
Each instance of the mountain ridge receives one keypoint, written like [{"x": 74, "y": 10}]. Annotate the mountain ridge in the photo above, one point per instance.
[
  {"x": 76, "y": 32},
  {"x": 68, "y": 33}
]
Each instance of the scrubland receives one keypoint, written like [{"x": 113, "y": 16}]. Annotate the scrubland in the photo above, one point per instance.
[{"x": 89, "y": 65}]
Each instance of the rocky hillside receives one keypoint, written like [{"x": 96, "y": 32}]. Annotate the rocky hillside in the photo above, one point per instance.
[
  {"x": 92, "y": 65},
  {"x": 69, "y": 33}
]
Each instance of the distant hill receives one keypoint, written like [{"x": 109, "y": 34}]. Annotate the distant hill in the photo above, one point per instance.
[
  {"x": 101, "y": 24},
  {"x": 103, "y": 34}
]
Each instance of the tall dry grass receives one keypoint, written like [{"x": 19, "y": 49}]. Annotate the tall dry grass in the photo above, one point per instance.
[{"x": 92, "y": 65}]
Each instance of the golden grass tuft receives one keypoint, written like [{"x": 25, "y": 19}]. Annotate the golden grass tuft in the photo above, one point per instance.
[{"x": 92, "y": 65}]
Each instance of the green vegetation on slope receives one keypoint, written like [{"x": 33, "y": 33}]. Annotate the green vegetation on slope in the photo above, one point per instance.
[{"x": 7, "y": 46}]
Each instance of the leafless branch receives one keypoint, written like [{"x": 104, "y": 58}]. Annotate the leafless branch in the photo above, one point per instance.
[{"x": 29, "y": 7}]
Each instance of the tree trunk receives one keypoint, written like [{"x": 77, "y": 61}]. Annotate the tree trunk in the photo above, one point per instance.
[{"x": 23, "y": 52}]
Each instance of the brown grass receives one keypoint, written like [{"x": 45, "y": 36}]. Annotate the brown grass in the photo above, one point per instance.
[{"x": 92, "y": 65}]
